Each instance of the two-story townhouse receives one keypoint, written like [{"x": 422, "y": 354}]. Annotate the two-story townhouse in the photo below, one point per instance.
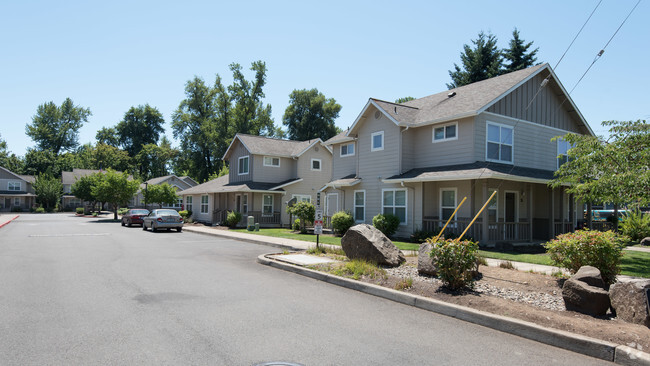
[
  {"x": 265, "y": 174},
  {"x": 179, "y": 183},
  {"x": 68, "y": 200},
  {"x": 16, "y": 191},
  {"x": 419, "y": 159}
]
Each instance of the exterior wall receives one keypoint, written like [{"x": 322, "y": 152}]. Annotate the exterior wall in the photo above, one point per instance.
[
  {"x": 343, "y": 166},
  {"x": 270, "y": 174},
  {"x": 196, "y": 207},
  {"x": 238, "y": 151}
]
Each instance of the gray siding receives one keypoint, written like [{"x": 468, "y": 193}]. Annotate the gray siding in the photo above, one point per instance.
[
  {"x": 271, "y": 174},
  {"x": 343, "y": 166},
  {"x": 238, "y": 151}
]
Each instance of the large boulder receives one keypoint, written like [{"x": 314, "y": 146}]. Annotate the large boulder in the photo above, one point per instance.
[
  {"x": 585, "y": 292},
  {"x": 425, "y": 262},
  {"x": 368, "y": 243},
  {"x": 630, "y": 301},
  {"x": 645, "y": 241}
]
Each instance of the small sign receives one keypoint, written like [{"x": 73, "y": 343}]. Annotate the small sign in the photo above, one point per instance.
[
  {"x": 317, "y": 199},
  {"x": 318, "y": 222}
]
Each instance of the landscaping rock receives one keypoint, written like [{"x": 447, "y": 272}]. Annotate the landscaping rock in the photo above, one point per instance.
[
  {"x": 425, "y": 262},
  {"x": 645, "y": 241},
  {"x": 585, "y": 292},
  {"x": 365, "y": 242},
  {"x": 629, "y": 300}
]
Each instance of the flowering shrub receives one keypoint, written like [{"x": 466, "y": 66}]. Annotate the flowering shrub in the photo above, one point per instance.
[
  {"x": 386, "y": 223},
  {"x": 602, "y": 250},
  {"x": 456, "y": 261},
  {"x": 342, "y": 221}
]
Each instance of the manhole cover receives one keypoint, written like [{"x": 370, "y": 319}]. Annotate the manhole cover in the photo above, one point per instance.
[{"x": 278, "y": 363}]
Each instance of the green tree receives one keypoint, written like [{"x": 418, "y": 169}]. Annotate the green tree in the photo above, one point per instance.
[
  {"x": 404, "y": 100},
  {"x": 57, "y": 128},
  {"x": 160, "y": 194},
  {"x": 154, "y": 161},
  {"x": 310, "y": 115},
  {"x": 108, "y": 136},
  {"x": 110, "y": 157},
  {"x": 48, "y": 190},
  {"x": 9, "y": 161},
  {"x": 517, "y": 54},
  {"x": 83, "y": 188},
  {"x": 250, "y": 115},
  {"x": 115, "y": 189},
  {"x": 141, "y": 125},
  {"x": 479, "y": 63},
  {"x": 41, "y": 161},
  {"x": 616, "y": 170},
  {"x": 303, "y": 210}
]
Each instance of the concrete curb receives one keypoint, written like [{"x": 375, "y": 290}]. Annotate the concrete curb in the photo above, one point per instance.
[
  {"x": 10, "y": 220},
  {"x": 620, "y": 354}
]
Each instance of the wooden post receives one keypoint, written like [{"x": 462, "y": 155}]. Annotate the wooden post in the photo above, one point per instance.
[
  {"x": 551, "y": 226},
  {"x": 530, "y": 212},
  {"x": 485, "y": 230}
]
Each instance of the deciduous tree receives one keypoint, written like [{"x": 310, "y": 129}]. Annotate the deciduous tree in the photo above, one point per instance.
[
  {"x": 160, "y": 194},
  {"x": 310, "y": 115},
  {"x": 141, "y": 125},
  {"x": 114, "y": 188},
  {"x": 56, "y": 128},
  {"x": 48, "y": 190}
]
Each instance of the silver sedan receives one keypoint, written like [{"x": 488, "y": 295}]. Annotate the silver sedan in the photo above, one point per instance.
[{"x": 163, "y": 219}]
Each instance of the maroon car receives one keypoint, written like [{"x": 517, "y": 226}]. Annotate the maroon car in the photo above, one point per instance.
[{"x": 134, "y": 216}]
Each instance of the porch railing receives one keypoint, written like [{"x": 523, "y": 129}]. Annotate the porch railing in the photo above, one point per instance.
[
  {"x": 509, "y": 231},
  {"x": 454, "y": 228},
  {"x": 497, "y": 231},
  {"x": 260, "y": 218},
  {"x": 563, "y": 227}
]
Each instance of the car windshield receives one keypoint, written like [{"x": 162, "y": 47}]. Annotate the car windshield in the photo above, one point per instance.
[
  {"x": 139, "y": 212},
  {"x": 167, "y": 212}
]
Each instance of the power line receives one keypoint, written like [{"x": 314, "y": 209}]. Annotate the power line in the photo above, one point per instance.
[{"x": 576, "y": 37}]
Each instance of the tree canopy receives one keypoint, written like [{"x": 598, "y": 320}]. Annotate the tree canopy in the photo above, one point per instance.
[
  {"x": 616, "y": 170},
  {"x": 48, "y": 191},
  {"x": 480, "y": 62},
  {"x": 160, "y": 194},
  {"x": 113, "y": 188},
  {"x": 250, "y": 115},
  {"x": 310, "y": 115},
  {"x": 108, "y": 136},
  {"x": 56, "y": 128},
  {"x": 517, "y": 54},
  {"x": 141, "y": 125},
  {"x": 404, "y": 100}
]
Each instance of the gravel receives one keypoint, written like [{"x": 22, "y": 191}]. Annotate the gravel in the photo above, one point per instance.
[{"x": 539, "y": 299}]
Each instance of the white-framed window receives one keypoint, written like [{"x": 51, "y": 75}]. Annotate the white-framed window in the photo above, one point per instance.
[
  {"x": 271, "y": 161},
  {"x": 447, "y": 202},
  {"x": 445, "y": 132},
  {"x": 347, "y": 149},
  {"x": 267, "y": 204},
  {"x": 13, "y": 186},
  {"x": 562, "y": 149},
  {"x": 188, "y": 203},
  {"x": 178, "y": 203},
  {"x": 360, "y": 206},
  {"x": 499, "y": 143},
  {"x": 394, "y": 203},
  {"x": 17, "y": 201},
  {"x": 493, "y": 207},
  {"x": 204, "y": 204},
  {"x": 302, "y": 197},
  {"x": 316, "y": 165},
  {"x": 244, "y": 204},
  {"x": 242, "y": 165},
  {"x": 377, "y": 141}
]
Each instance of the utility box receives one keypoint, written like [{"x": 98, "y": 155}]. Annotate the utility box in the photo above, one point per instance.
[
  {"x": 257, "y": 226},
  {"x": 250, "y": 226}
]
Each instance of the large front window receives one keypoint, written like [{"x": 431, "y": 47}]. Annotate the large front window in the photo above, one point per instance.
[
  {"x": 13, "y": 186},
  {"x": 359, "y": 206},
  {"x": 188, "y": 203},
  {"x": 394, "y": 203},
  {"x": 493, "y": 207},
  {"x": 242, "y": 165},
  {"x": 447, "y": 202},
  {"x": 204, "y": 204},
  {"x": 499, "y": 143},
  {"x": 267, "y": 204}
]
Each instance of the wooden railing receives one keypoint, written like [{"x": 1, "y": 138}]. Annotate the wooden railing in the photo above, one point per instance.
[
  {"x": 454, "y": 228},
  {"x": 509, "y": 231},
  {"x": 497, "y": 231},
  {"x": 563, "y": 227},
  {"x": 262, "y": 219}
]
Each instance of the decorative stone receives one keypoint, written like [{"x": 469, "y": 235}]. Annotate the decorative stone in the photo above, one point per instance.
[
  {"x": 645, "y": 241},
  {"x": 425, "y": 262},
  {"x": 366, "y": 242},
  {"x": 630, "y": 301},
  {"x": 583, "y": 292}
]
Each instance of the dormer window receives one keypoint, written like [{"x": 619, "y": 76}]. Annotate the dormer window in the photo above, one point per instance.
[
  {"x": 377, "y": 141},
  {"x": 271, "y": 161},
  {"x": 242, "y": 166},
  {"x": 347, "y": 149}
]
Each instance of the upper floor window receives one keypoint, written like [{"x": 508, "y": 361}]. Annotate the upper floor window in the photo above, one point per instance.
[
  {"x": 377, "y": 141},
  {"x": 562, "y": 149},
  {"x": 499, "y": 143},
  {"x": 315, "y": 164},
  {"x": 394, "y": 203},
  {"x": 445, "y": 133},
  {"x": 271, "y": 161},
  {"x": 242, "y": 165},
  {"x": 347, "y": 149},
  {"x": 13, "y": 186}
]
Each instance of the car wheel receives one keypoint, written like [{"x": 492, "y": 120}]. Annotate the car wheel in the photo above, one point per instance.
[
  {"x": 122, "y": 222},
  {"x": 179, "y": 229},
  {"x": 144, "y": 227},
  {"x": 128, "y": 223},
  {"x": 153, "y": 228}
]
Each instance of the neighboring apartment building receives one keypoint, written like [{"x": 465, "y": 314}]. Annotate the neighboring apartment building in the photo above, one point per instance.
[
  {"x": 418, "y": 159},
  {"x": 180, "y": 183},
  {"x": 265, "y": 174},
  {"x": 16, "y": 191},
  {"x": 68, "y": 200}
]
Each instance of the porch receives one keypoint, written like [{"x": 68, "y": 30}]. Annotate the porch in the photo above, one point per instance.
[{"x": 264, "y": 219}]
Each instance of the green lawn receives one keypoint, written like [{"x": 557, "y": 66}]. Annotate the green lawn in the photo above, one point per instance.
[{"x": 633, "y": 263}]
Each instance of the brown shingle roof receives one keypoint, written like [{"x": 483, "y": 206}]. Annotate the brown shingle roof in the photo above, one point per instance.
[{"x": 261, "y": 145}]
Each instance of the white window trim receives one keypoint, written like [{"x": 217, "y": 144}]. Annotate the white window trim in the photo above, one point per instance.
[
  {"x": 242, "y": 205},
  {"x": 206, "y": 204},
  {"x": 372, "y": 139},
  {"x": 557, "y": 158},
  {"x": 13, "y": 183},
  {"x": 299, "y": 197},
  {"x": 320, "y": 165},
  {"x": 406, "y": 203},
  {"x": 189, "y": 203},
  {"x": 248, "y": 164},
  {"x": 17, "y": 201},
  {"x": 271, "y": 165},
  {"x": 490, "y": 190},
  {"x": 327, "y": 203},
  {"x": 442, "y": 189},
  {"x": 433, "y": 133},
  {"x": 348, "y": 154},
  {"x": 354, "y": 205},
  {"x": 264, "y": 205},
  {"x": 500, "y": 125}
]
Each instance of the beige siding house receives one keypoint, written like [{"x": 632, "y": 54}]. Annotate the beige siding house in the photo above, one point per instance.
[
  {"x": 264, "y": 175},
  {"x": 179, "y": 183},
  {"x": 16, "y": 191},
  {"x": 419, "y": 159}
]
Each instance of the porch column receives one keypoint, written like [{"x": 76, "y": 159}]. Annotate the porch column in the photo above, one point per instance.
[
  {"x": 485, "y": 237},
  {"x": 530, "y": 212},
  {"x": 472, "y": 198},
  {"x": 551, "y": 226}
]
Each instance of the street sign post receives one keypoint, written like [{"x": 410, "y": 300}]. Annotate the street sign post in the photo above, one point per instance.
[{"x": 318, "y": 224}]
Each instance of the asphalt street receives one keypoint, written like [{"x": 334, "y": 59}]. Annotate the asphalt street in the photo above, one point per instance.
[{"x": 86, "y": 291}]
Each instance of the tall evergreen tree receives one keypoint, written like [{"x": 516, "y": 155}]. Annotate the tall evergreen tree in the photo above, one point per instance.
[
  {"x": 56, "y": 128},
  {"x": 517, "y": 55},
  {"x": 310, "y": 115},
  {"x": 479, "y": 63}
]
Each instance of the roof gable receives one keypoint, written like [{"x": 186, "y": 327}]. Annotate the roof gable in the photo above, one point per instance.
[
  {"x": 26, "y": 178},
  {"x": 260, "y": 145}
]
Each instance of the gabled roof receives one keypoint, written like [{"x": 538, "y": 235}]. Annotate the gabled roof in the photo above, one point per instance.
[
  {"x": 341, "y": 137},
  {"x": 222, "y": 185},
  {"x": 465, "y": 101},
  {"x": 189, "y": 181},
  {"x": 260, "y": 145},
  {"x": 26, "y": 178},
  {"x": 75, "y": 174},
  {"x": 160, "y": 180}
]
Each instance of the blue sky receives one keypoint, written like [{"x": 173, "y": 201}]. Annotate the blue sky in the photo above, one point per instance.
[{"x": 109, "y": 56}]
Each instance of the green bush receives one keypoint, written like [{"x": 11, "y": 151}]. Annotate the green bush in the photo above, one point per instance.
[
  {"x": 420, "y": 236},
  {"x": 456, "y": 261},
  {"x": 296, "y": 225},
  {"x": 303, "y": 210},
  {"x": 80, "y": 210},
  {"x": 602, "y": 250},
  {"x": 342, "y": 221},
  {"x": 122, "y": 211},
  {"x": 635, "y": 224},
  {"x": 185, "y": 214},
  {"x": 16, "y": 209},
  {"x": 40, "y": 210},
  {"x": 386, "y": 223},
  {"x": 233, "y": 218}
]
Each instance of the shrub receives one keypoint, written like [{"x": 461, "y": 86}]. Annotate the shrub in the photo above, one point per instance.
[
  {"x": 456, "y": 261},
  {"x": 80, "y": 210},
  {"x": 185, "y": 214},
  {"x": 420, "y": 236},
  {"x": 16, "y": 209},
  {"x": 636, "y": 225},
  {"x": 40, "y": 210},
  {"x": 357, "y": 268},
  {"x": 303, "y": 210},
  {"x": 342, "y": 221},
  {"x": 386, "y": 223},
  {"x": 233, "y": 218},
  {"x": 296, "y": 225},
  {"x": 602, "y": 250}
]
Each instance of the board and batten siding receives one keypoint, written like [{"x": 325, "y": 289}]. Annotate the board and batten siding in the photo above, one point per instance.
[
  {"x": 272, "y": 174},
  {"x": 238, "y": 151},
  {"x": 546, "y": 109}
]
